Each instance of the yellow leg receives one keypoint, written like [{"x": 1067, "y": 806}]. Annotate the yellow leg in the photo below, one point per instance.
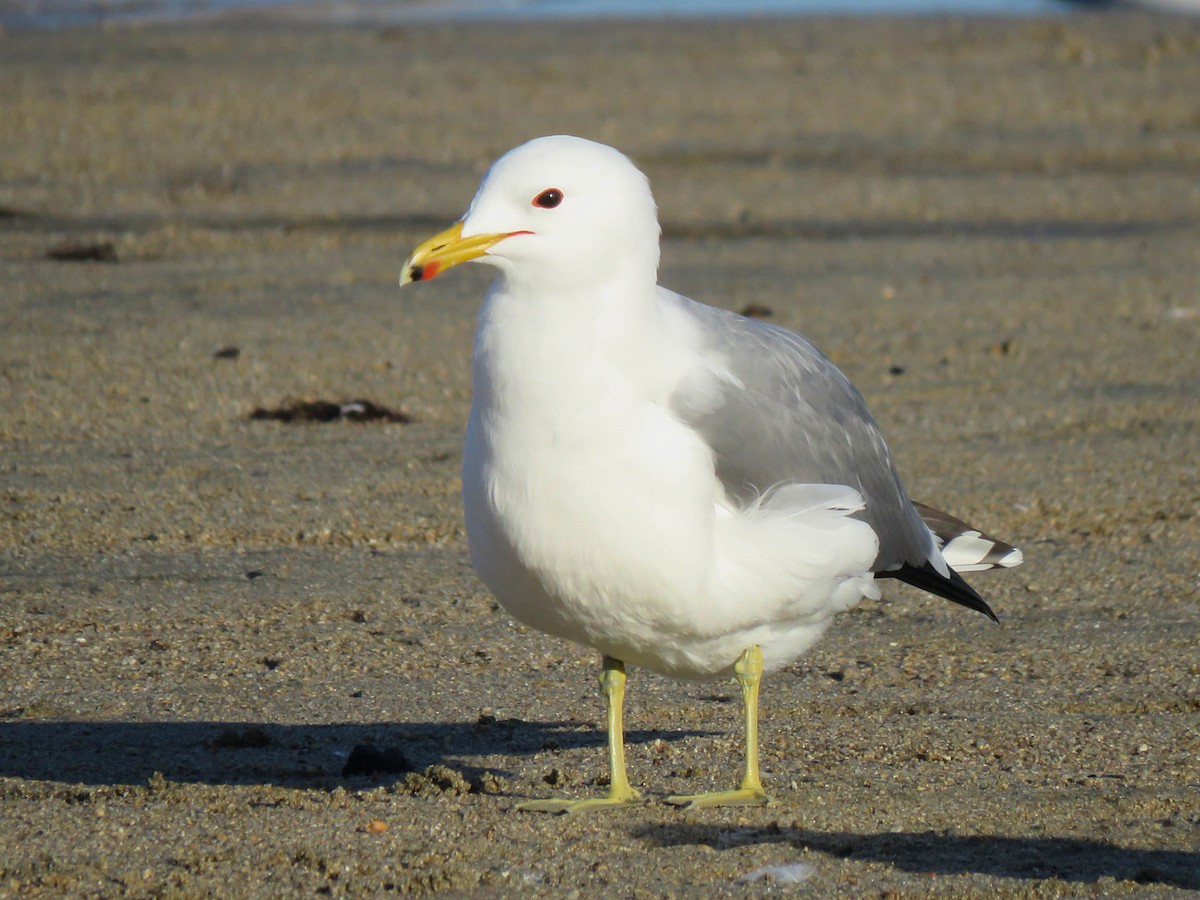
[
  {"x": 620, "y": 793},
  {"x": 748, "y": 671}
]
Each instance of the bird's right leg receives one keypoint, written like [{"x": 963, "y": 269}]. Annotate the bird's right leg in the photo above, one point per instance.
[{"x": 620, "y": 792}]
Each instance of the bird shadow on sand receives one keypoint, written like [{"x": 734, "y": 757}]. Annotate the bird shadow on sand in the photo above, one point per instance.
[
  {"x": 255, "y": 753},
  {"x": 1067, "y": 859}
]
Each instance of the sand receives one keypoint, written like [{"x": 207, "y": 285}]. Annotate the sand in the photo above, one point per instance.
[{"x": 991, "y": 225}]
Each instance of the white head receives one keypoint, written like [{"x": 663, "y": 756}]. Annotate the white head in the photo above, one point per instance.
[{"x": 555, "y": 211}]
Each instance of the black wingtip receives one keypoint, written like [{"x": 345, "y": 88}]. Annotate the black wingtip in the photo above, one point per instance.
[{"x": 955, "y": 588}]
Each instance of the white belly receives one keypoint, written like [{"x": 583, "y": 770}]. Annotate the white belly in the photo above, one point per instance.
[
  {"x": 621, "y": 541},
  {"x": 594, "y": 514}
]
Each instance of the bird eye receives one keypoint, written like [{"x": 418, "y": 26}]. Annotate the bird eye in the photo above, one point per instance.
[{"x": 549, "y": 198}]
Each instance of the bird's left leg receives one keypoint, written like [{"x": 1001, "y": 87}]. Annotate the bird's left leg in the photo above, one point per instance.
[
  {"x": 620, "y": 792},
  {"x": 748, "y": 672}
]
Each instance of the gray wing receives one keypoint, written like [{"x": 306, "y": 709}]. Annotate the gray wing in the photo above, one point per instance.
[{"x": 780, "y": 411}]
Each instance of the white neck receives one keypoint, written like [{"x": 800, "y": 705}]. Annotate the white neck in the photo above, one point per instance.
[{"x": 549, "y": 354}]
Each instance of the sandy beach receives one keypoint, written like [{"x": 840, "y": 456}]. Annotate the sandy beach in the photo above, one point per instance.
[{"x": 993, "y": 226}]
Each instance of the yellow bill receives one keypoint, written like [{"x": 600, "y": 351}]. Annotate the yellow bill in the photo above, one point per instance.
[{"x": 449, "y": 248}]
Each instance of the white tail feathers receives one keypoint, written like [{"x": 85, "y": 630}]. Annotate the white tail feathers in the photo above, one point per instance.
[
  {"x": 964, "y": 548},
  {"x": 973, "y": 551}
]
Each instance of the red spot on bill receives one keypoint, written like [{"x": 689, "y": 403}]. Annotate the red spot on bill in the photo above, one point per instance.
[{"x": 425, "y": 272}]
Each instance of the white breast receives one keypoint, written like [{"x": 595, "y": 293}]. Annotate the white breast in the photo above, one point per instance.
[{"x": 595, "y": 515}]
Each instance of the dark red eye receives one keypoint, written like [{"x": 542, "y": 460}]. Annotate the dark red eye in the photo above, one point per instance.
[{"x": 549, "y": 198}]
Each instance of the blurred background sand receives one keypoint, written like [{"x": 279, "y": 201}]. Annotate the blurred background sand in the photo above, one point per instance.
[{"x": 992, "y": 225}]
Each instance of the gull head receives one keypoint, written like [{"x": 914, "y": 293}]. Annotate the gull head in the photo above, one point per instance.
[{"x": 555, "y": 211}]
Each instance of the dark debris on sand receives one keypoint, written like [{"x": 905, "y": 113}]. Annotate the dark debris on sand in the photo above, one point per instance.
[
  {"x": 301, "y": 411},
  {"x": 83, "y": 251}
]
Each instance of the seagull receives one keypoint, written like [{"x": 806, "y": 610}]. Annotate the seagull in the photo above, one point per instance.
[{"x": 676, "y": 486}]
